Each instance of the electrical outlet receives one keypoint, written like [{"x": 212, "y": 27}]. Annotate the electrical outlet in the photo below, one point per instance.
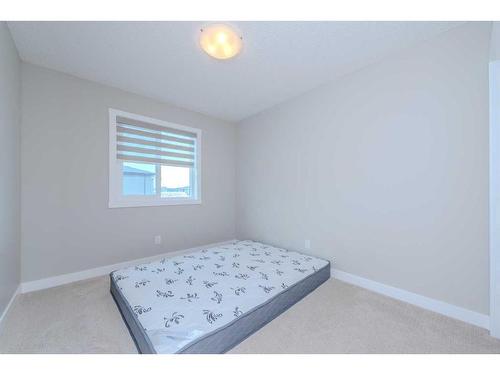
[
  {"x": 157, "y": 239},
  {"x": 307, "y": 244}
]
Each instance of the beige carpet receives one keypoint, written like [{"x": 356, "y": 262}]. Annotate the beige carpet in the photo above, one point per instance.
[{"x": 336, "y": 318}]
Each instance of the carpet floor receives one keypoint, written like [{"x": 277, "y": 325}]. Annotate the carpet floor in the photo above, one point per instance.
[{"x": 336, "y": 318}]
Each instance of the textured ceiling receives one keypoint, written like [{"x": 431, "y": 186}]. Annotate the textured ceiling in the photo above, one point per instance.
[{"x": 162, "y": 60}]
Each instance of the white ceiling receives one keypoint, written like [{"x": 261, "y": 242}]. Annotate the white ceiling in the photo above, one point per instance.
[{"x": 162, "y": 60}]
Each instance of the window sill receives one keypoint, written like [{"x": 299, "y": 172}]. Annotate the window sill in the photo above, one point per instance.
[{"x": 169, "y": 202}]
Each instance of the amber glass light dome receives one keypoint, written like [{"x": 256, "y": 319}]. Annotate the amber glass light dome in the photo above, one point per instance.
[{"x": 220, "y": 41}]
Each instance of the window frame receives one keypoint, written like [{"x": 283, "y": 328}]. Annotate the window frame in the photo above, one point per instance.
[{"x": 116, "y": 197}]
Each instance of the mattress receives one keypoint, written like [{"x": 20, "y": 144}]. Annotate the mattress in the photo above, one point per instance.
[{"x": 210, "y": 300}]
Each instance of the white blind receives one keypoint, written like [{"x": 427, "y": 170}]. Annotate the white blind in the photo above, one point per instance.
[{"x": 139, "y": 141}]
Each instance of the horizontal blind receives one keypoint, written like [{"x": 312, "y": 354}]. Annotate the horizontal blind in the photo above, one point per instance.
[{"x": 139, "y": 141}]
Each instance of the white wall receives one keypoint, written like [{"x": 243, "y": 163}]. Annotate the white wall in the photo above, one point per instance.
[
  {"x": 10, "y": 103},
  {"x": 385, "y": 170},
  {"x": 66, "y": 223}
]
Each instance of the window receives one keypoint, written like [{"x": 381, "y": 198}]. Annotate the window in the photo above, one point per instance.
[{"x": 152, "y": 162}]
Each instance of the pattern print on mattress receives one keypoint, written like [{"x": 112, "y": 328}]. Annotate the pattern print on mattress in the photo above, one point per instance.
[{"x": 181, "y": 299}]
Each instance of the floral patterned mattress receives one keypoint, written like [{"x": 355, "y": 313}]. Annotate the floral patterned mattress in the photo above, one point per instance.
[{"x": 179, "y": 300}]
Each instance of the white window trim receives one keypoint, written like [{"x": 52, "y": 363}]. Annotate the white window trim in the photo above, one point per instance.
[{"x": 116, "y": 199}]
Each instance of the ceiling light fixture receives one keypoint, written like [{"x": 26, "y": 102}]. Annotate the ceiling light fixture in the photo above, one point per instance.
[{"x": 220, "y": 41}]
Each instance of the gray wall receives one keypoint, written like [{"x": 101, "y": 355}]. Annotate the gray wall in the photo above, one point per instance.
[
  {"x": 385, "y": 170},
  {"x": 66, "y": 223},
  {"x": 495, "y": 180},
  {"x": 495, "y": 41},
  {"x": 10, "y": 102}
]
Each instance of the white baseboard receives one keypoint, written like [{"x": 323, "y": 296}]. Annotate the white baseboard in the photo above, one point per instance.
[
  {"x": 4, "y": 313},
  {"x": 50, "y": 282},
  {"x": 452, "y": 311},
  {"x": 437, "y": 306}
]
